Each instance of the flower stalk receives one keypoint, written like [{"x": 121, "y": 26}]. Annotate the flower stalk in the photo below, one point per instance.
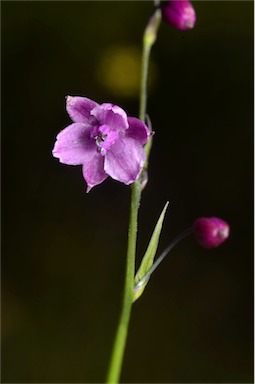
[
  {"x": 149, "y": 38},
  {"x": 113, "y": 376},
  {"x": 121, "y": 335}
]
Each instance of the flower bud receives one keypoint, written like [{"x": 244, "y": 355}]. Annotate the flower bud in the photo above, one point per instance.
[
  {"x": 210, "y": 232},
  {"x": 180, "y": 14},
  {"x": 150, "y": 33}
]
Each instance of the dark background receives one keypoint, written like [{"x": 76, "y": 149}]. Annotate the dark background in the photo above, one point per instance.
[{"x": 63, "y": 252}]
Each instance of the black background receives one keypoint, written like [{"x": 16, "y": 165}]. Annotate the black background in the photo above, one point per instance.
[{"x": 63, "y": 252}]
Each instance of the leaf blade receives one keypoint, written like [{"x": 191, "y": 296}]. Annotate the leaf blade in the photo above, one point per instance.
[{"x": 150, "y": 253}]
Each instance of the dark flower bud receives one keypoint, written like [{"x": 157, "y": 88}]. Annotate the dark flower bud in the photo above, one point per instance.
[
  {"x": 180, "y": 14},
  {"x": 210, "y": 232}
]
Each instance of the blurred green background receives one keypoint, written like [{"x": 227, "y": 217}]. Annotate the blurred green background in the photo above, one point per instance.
[{"x": 63, "y": 252}]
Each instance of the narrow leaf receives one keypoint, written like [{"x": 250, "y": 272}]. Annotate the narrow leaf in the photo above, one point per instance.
[{"x": 150, "y": 253}]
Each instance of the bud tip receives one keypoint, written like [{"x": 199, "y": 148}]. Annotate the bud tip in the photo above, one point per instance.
[{"x": 210, "y": 232}]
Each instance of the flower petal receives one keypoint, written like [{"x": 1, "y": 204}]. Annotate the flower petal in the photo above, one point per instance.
[
  {"x": 111, "y": 115},
  {"x": 138, "y": 130},
  {"x": 93, "y": 172},
  {"x": 79, "y": 108},
  {"x": 125, "y": 160},
  {"x": 74, "y": 145}
]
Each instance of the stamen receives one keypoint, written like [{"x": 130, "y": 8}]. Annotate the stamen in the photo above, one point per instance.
[
  {"x": 98, "y": 139},
  {"x": 104, "y": 137},
  {"x": 101, "y": 151}
]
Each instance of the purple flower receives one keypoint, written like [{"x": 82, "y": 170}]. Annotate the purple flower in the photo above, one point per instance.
[
  {"x": 210, "y": 232},
  {"x": 180, "y": 14},
  {"x": 103, "y": 140}
]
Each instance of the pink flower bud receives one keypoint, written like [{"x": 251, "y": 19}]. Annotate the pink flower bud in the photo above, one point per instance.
[
  {"x": 210, "y": 232},
  {"x": 180, "y": 14}
]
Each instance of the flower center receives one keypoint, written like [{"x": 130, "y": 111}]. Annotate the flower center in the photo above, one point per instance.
[{"x": 104, "y": 138}]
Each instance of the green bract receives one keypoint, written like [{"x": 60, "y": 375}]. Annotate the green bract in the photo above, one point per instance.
[{"x": 149, "y": 256}]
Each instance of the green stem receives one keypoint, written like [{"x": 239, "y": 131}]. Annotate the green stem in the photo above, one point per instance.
[
  {"x": 144, "y": 76},
  {"x": 149, "y": 38},
  {"x": 122, "y": 330},
  {"x": 121, "y": 335}
]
